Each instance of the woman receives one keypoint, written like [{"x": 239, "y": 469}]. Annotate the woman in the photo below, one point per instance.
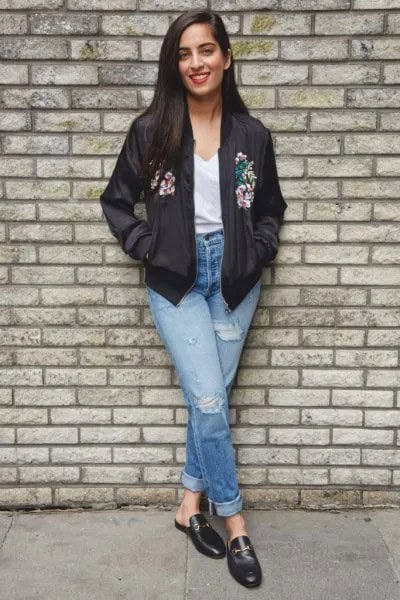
[{"x": 207, "y": 172}]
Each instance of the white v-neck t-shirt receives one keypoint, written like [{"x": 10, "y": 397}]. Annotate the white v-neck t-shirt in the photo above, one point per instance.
[{"x": 207, "y": 197}]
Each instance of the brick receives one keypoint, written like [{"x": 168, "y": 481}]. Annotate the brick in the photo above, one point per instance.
[
  {"x": 297, "y": 358},
  {"x": 137, "y": 25},
  {"x": 311, "y": 233},
  {"x": 375, "y": 4},
  {"x": 15, "y": 121},
  {"x": 309, "y": 189},
  {"x": 63, "y": 24},
  {"x": 258, "y": 97},
  {"x": 241, "y": 4},
  {"x": 47, "y": 474},
  {"x": 110, "y": 474},
  {"x": 30, "y": 48},
  {"x": 387, "y": 210},
  {"x": 383, "y": 378},
  {"x": 109, "y": 435},
  {"x": 298, "y": 397},
  {"x": 333, "y": 337},
  {"x": 307, "y": 144},
  {"x": 80, "y": 415},
  {"x": 343, "y": 121},
  {"x": 315, "y": 4},
  {"x": 70, "y": 337},
  {"x": 376, "y": 97},
  {"x": 298, "y": 476},
  {"x": 340, "y": 167},
  {"x": 366, "y": 358},
  {"x": 362, "y": 436},
  {"x": 143, "y": 454},
  {"x": 331, "y": 416},
  {"x": 368, "y": 317},
  {"x": 391, "y": 74},
  {"x": 377, "y": 231},
  {"x": 66, "y": 121},
  {"x": 310, "y": 49},
  {"x": 93, "y": 49},
  {"x": 281, "y": 120},
  {"x": 379, "y": 418},
  {"x": 276, "y": 24},
  {"x": 31, "y": 144},
  {"x": 81, "y": 455},
  {"x": 313, "y": 98},
  {"x": 47, "y": 435},
  {"x": 272, "y": 376},
  {"x": 349, "y": 24},
  {"x": 339, "y": 211},
  {"x": 331, "y": 296},
  {"x": 64, "y": 75},
  {"x": 362, "y": 276},
  {"x": 340, "y": 254},
  {"x": 386, "y": 296},
  {"x": 372, "y": 398},
  {"x": 13, "y": 74},
  {"x": 249, "y": 49},
  {"x": 37, "y": 190},
  {"x": 389, "y": 121},
  {"x": 301, "y": 436},
  {"x": 273, "y": 416},
  {"x": 333, "y": 377},
  {"x": 372, "y": 49},
  {"x": 34, "y": 98},
  {"x": 115, "y": 98},
  {"x": 274, "y": 75},
  {"x": 372, "y": 144},
  {"x": 351, "y": 74},
  {"x": 20, "y": 167},
  {"x": 393, "y": 23},
  {"x": 43, "y": 356},
  {"x": 30, "y": 4},
  {"x": 295, "y": 316},
  {"x": 363, "y": 476},
  {"x": 179, "y": 5},
  {"x": 327, "y": 456},
  {"x": 102, "y": 5}
]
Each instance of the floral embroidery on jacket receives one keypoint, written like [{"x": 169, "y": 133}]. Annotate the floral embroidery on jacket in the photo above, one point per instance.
[
  {"x": 245, "y": 180},
  {"x": 167, "y": 185}
]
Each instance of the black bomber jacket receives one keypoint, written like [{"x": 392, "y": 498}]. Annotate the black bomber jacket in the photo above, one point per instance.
[{"x": 252, "y": 209}]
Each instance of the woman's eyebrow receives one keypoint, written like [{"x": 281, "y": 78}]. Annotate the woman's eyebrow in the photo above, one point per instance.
[{"x": 199, "y": 46}]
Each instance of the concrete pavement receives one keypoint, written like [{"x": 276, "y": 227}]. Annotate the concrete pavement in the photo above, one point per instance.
[{"x": 135, "y": 553}]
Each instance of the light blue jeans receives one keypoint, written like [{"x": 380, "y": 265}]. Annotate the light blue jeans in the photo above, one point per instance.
[{"x": 205, "y": 341}]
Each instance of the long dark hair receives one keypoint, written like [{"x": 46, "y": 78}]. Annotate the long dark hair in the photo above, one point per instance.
[{"x": 167, "y": 108}]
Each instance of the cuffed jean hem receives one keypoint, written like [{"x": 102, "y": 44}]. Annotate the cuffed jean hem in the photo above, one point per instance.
[
  {"x": 226, "y": 509},
  {"x": 192, "y": 483}
]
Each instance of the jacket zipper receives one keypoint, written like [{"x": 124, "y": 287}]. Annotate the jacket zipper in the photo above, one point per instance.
[
  {"x": 227, "y": 309},
  {"x": 195, "y": 244}
]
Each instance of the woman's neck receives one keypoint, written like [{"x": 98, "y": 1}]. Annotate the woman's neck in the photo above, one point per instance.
[{"x": 204, "y": 110}]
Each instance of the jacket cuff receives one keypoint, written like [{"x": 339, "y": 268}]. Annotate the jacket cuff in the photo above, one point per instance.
[
  {"x": 142, "y": 246},
  {"x": 264, "y": 251}
]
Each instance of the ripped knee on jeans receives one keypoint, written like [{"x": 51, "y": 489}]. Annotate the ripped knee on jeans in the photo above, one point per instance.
[
  {"x": 228, "y": 331},
  {"x": 210, "y": 404}
]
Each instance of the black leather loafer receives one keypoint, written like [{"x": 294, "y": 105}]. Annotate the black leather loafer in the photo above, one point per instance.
[
  {"x": 242, "y": 561},
  {"x": 204, "y": 537}
]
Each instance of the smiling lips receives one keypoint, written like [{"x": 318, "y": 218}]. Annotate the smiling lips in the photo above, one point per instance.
[{"x": 200, "y": 78}]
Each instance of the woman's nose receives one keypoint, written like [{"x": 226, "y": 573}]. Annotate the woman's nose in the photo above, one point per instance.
[{"x": 196, "y": 61}]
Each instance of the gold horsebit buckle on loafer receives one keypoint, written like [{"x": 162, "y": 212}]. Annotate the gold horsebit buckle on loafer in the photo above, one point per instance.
[
  {"x": 248, "y": 547},
  {"x": 197, "y": 526}
]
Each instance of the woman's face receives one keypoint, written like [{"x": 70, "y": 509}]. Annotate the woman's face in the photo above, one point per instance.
[{"x": 201, "y": 62}]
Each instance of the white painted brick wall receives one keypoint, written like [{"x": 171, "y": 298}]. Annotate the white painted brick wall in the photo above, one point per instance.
[{"x": 90, "y": 407}]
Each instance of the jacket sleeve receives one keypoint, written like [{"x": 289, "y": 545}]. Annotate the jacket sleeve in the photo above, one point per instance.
[
  {"x": 269, "y": 207},
  {"x": 119, "y": 198}
]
